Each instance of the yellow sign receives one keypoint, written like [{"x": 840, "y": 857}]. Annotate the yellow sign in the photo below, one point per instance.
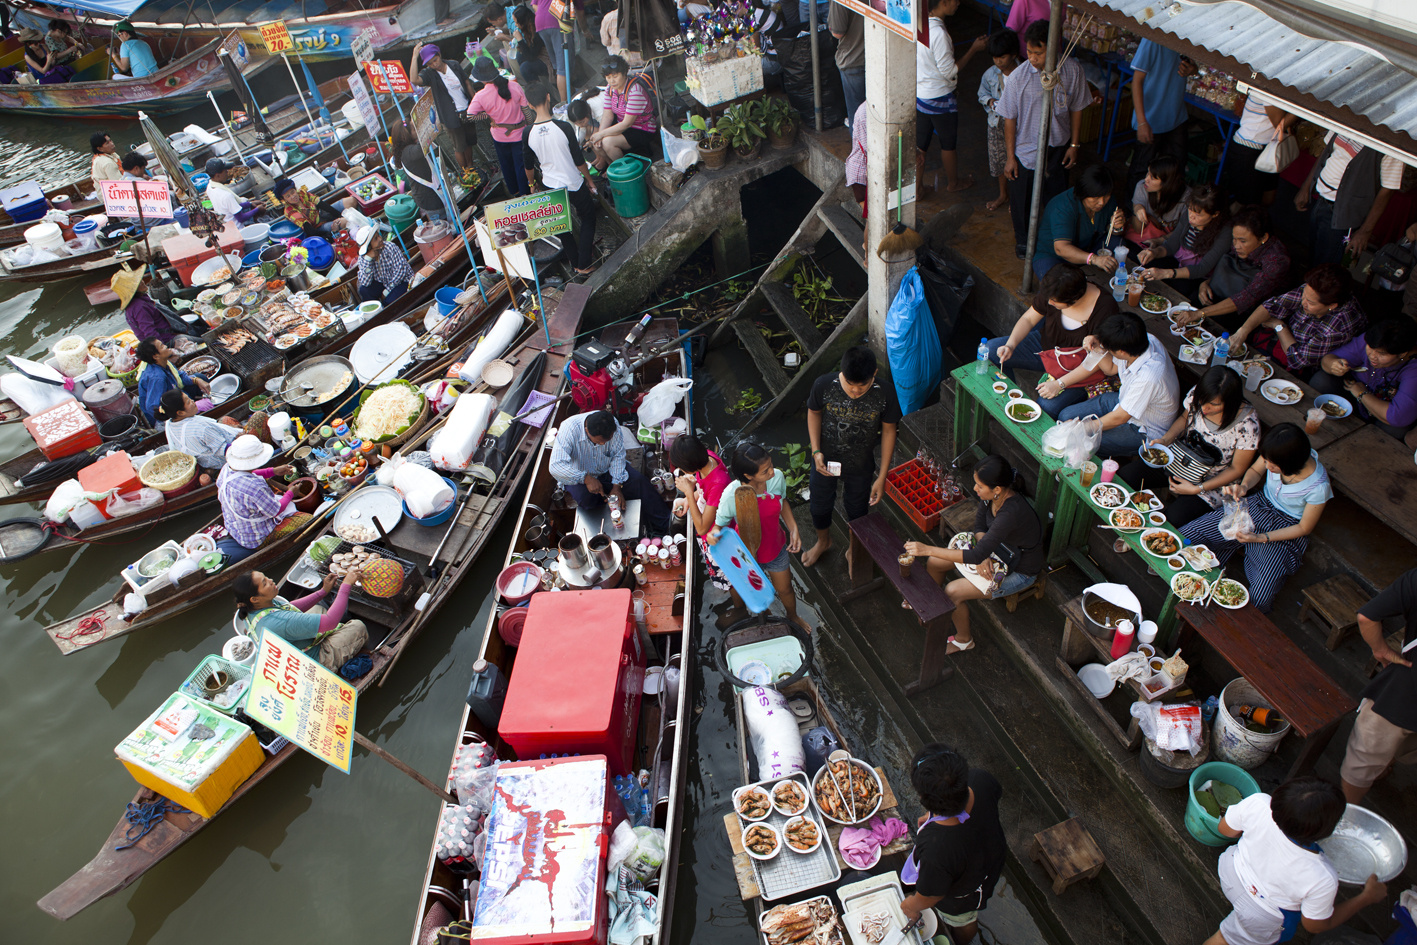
[
  {"x": 276, "y": 37},
  {"x": 295, "y": 696}
]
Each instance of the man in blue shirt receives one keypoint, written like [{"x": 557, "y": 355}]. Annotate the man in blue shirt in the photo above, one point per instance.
[
  {"x": 1158, "y": 106},
  {"x": 589, "y": 461}
]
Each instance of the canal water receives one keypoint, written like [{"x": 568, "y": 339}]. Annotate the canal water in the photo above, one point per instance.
[{"x": 312, "y": 854}]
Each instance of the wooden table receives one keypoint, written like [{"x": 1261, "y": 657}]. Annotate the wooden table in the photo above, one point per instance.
[
  {"x": 1299, "y": 691},
  {"x": 874, "y": 543},
  {"x": 1376, "y": 471},
  {"x": 661, "y": 587},
  {"x": 975, "y": 400}
]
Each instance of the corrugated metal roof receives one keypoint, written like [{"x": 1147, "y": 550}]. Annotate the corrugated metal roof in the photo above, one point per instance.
[{"x": 1331, "y": 71}]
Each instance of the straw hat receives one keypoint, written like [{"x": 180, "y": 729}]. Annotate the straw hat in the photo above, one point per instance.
[
  {"x": 125, "y": 283},
  {"x": 28, "y": 35},
  {"x": 248, "y": 453}
]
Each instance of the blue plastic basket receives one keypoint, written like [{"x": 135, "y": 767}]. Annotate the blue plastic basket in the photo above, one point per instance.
[
  {"x": 284, "y": 230},
  {"x": 442, "y": 517}
]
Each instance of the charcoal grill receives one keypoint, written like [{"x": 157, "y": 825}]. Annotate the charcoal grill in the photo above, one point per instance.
[
  {"x": 379, "y": 608},
  {"x": 255, "y": 364}
]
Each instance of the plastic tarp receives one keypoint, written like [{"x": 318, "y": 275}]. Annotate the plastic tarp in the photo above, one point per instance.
[
  {"x": 204, "y": 11},
  {"x": 912, "y": 345},
  {"x": 119, "y": 8}
]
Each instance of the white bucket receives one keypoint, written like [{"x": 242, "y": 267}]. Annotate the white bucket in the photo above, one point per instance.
[
  {"x": 1230, "y": 740},
  {"x": 352, "y": 115},
  {"x": 46, "y": 236}
]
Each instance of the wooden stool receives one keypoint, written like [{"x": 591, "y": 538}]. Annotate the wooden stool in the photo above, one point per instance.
[
  {"x": 1067, "y": 853},
  {"x": 1033, "y": 591},
  {"x": 1335, "y": 602}
]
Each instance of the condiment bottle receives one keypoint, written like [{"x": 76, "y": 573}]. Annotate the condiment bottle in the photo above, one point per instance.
[{"x": 1122, "y": 639}]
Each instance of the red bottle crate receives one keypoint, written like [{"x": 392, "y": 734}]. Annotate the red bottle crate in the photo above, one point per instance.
[{"x": 911, "y": 489}]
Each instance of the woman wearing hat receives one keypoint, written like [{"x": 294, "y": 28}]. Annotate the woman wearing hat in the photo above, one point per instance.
[
  {"x": 132, "y": 57},
  {"x": 452, "y": 92},
  {"x": 250, "y": 511},
  {"x": 305, "y": 210},
  {"x": 42, "y": 62},
  {"x": 502, "y": 100},
  {"x": 189, "y": 432},
  {"x": 628, "y": 122},
  {"x": 141, "y": 312},
  {"x": 384, "y": 273},
  {"x": 157, "y": 375},
  {"x": 303, "y": 622}
]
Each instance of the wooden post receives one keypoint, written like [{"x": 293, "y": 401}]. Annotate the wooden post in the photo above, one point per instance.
[{"x": 375, "y": 749}]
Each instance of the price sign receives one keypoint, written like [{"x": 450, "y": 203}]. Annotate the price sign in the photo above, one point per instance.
[
  {"x": 276, "y": 37},
  {"x": 294, "y": 696},
  {"x": 421, "y": 120},
  {"x": 396, "y": 77},
  {"x": 367, "y": 112},
  {"x": 528, "y": 218},
  {"x": 122, "y": 198},
  {"x": 375, "y": 72},
  {"x": 363, "y": 46}
]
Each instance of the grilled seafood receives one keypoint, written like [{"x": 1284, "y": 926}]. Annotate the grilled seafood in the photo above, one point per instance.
[
  {"x": 760, "y": 840},
  {"x": 814, "y": 921},
  {"x": 788, "y": 797},
  {"x": 802, "y": 834},
  {"x": 754, "y": 804}
]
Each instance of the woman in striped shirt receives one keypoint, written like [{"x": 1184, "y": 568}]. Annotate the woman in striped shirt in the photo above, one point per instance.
[{"x": 628, "y": 122}]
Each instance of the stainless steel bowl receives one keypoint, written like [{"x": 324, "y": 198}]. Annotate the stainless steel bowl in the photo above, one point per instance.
[{"x": 1365, "y": 843}]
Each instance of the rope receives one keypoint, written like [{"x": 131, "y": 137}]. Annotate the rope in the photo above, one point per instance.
[
  {"x": 144, "y": 817},
  {"x": 94, "y": 624},
  {"x": 679, "y": 298}
]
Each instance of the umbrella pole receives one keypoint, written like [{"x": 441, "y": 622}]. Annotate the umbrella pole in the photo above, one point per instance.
[
  {"x": 229, "y": 135},
  {"x": 437, "y": 166},
  {"x": 536, "y": 277},
  {"x": 296, "y": 82}
]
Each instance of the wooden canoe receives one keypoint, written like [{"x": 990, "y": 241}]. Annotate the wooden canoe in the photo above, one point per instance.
[
  {"x": 112, "y": 870},
  {"x": 663, "y": 731}
]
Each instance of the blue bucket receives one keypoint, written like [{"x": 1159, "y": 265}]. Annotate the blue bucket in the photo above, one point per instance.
[
  {"x": 200, "y": 182},
  {"x": 446, "y": 298},
  {"x": 251, "y": 259},
  {"x": 284, "y": 230},
  {"x": 443, "y": 516},
  {"x": 181, "y": 216}
]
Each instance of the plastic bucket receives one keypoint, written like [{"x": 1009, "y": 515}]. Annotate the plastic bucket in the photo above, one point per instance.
[
  {"x": 117, "y": 427},
  {"x": 446, "y": 298},
  {"x": 46, "y": 236},
  {"x": 322, "y": 255},
  {"x": 400, "y": 210},
  {"x": 437, "y": 518},
  {"x": 627, "y": 182},
  {"x": 1202, "y": 825},
  {"x": 433, "y": 238},
  {"x": 1230, "y": 740}
]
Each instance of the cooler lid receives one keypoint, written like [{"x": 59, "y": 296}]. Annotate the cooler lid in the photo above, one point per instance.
[
  {"x": 17, "y": 196},
  {"x": 543, "y": 873},
  {"x": 183, "y": 742},
  {"x": 36, "y": 371},
  {"x": 568, "y": 667}
]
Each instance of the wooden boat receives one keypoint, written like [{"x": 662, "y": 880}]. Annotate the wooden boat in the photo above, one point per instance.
[
  {"x": 473, "y": 526},
  {"x": 663, "y": 731},
  {"x": 180, "y": 84},
  {"x": 95, "y": 261}
]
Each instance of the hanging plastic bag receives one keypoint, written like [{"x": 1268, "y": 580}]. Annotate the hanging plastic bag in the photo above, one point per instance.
[
  {"x": 1083, "y": 440},
  {"x": 660, "y": 402},
  {"x": 946, "y": 288},
  {"x": 678, "y": 153},
  {"x": 1235, "y": 518},
  {"x": 131, "y": 503},
  {"x": 912, "y": 345}
]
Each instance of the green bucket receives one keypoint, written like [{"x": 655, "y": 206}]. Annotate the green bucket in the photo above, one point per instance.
[
  {"x": 401, "y": 209},
  {"x": 1202, "y": 825},
  {"x": 627, "y": 181}
]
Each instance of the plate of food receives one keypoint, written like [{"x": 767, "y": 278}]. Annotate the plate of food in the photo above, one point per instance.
[
  {"x": 1230, "y": 594},
  {"x": 803, "y": 834},
  {"x": 1193, "y": 355},
  {"x": 1333, "y": 405},
  {"x": 1200, "y": 557},
  {"x": 1145, "y": 501},
  {"x": 1023, "y": 410},
  {"x": 1281, "y": 392},
  {"x": 1189, "y": 586},
  {"x": 1197, "y": 336},
  {"x": 1156, "y": 455},
  {"x": 762, "y": 841},
  {"x": 962, "y": 541},
  {"x": 789, "y": 797},
  {"x": 1107, "y": 495},
  {"x": 1241, "y": 367},
  {"x": 753, "y": 803},
  {"x": 1160, "y": 542},
  {"x": 1126, "y": 520},
  {"x": 1155, "y": 304}
]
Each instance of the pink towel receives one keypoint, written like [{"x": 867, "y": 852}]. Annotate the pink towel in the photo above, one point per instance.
[{"x": 859, "y": 844}]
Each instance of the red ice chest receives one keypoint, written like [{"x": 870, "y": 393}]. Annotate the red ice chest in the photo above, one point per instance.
[
  {"x": 186, "y": 252},
  {"x": 578, "y": 679},
  {"x": 63, "y": 430},
  {"x": 114, "y": 471},
  {"x": 548, "y": 837}
]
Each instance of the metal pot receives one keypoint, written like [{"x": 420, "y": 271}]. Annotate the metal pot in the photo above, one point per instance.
[
  {"x": 312, "y": 384},
  {"x": 601, "y": 552},
  {"x": 573, "y": 551},
  {"x": 296, "y": 277}
]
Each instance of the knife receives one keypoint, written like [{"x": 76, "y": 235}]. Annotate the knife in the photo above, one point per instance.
[{"x": 895, "y": 935}]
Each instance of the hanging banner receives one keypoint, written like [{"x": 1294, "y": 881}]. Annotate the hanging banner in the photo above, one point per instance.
[
  {"x": 367, "y": 112},
  {"x": 899, "y": 16},
  {"x": 120, "y": 200},
  {"x": 363, "y": 46},
  {"x": 276, "y": 37},
  {"x": 528, "y": 218},
  {"x": 294, "y": 696}
]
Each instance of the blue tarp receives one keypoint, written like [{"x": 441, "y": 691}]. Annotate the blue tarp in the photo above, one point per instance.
[
  {"x": 119, "y": 8},
  {"x": 205, "y": 11}
]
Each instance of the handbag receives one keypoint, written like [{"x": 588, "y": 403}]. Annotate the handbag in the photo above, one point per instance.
[
  {"x": 1394, "y": 262},
  {"x": 1232, "y": 275},
  {"x": 1278, "y": 154},
  {"x": 1059, "y": 361}
]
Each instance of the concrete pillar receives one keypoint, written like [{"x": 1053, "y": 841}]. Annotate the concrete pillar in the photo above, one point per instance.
[
  {"x": 730, "y": 246},
  {"x": 890, "y": 94}
]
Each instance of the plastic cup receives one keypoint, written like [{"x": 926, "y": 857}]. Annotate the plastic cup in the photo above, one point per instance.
[
  {"x": 1313, "y": 420},
  {"x": 1134, "y": 294},
  {"x": 1089, "y": 472},
  {"x": 1109, "y": 469},
  {"x": 1120, "y": 546},
  {"x": 1000, "y": 387},
  {"x": 905, "y": 562}
]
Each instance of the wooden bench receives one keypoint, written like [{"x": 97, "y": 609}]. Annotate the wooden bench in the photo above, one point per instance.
[
  {"x": 1376, "y": 471},
  {"x": 1287, "y": 680},
  {"x": 1335, "y": 602},
  {"x": 874, "y": 543}
]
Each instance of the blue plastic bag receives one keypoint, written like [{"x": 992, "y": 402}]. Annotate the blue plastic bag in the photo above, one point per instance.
[{"x": 912, "y": 344}]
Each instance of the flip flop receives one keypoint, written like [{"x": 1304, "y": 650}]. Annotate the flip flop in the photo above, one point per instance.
[{"x": 961, "y": 647}]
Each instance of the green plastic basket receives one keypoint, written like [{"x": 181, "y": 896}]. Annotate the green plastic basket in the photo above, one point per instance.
[{"x": 240, "y": 675}]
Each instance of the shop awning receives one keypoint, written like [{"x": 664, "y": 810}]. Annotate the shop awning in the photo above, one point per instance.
[
  {"x": 122, "y": 9},
  {"x": 178, "y": 12},
  {"x": 1337, "y": 80}
]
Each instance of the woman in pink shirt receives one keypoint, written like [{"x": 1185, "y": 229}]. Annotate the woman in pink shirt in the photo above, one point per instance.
[
  {"x": 502, "y": 100},
  {"x": 702, "y": 477},
  {"x": 755, "y": 503}
]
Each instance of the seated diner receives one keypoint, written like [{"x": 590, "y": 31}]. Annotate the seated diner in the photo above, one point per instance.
[
  {"x": 1256, "y": 268},
  {"x": 1006, "y": 550},
  {"x": 1376, "y": 372},
  {"x": 1282, "y": 514},
  {"x": 1078, "y": 224},
  {"x": 189, "y": 432},
  {"x": 1158, "y": 202},
  {"x": 1190, "y": 252},
  {"x": 250, "y": 511},
  {"x": 157, "y": 375},
  {"x": 1146, "y": 405},
  {"x": 319, "y": 632},
  {"x": 1301, "y": 326}
]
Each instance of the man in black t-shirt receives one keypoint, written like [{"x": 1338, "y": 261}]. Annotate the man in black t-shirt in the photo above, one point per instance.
[
  {"x": 959, "y": 842},
  {"x": 1387, "y": 715},
  {"x": 845, "y": 414}
]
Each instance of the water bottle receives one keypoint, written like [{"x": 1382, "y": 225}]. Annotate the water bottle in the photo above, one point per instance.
[
  {"x": 1222, "y": 351},
  {"x": 981, "y": 364},
  {"x": 1209, "y": 708},
  {"x": 1119, "y": 284}
]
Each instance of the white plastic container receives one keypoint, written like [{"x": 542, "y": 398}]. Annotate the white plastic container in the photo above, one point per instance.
[{"x": 46, "y": 236}]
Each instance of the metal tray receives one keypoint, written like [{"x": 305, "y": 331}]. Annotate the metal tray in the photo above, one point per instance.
[
  {"x": 790, "y": 873},
  {"x": 883, "y": 889},
  {"x": 370, "y": 501}
]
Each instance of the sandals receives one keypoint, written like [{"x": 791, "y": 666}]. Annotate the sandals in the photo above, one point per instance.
[{"x": 961, "y": 647}]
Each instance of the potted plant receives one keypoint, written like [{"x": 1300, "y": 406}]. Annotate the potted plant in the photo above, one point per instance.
[
  {"x": 743, "y": 133},
  {"x": 713, "y": 149},
  {"x": 780, "y": 121},
  {"x": 694, "y": 128}
]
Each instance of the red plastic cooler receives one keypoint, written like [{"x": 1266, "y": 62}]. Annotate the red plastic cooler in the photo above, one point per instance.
[
  {"x": 578, "y": 679},
  {"x": 548, "y": 836}
]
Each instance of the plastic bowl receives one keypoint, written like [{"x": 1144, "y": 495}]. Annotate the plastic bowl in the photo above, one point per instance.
[
  {"x": 437, "y": 518},
  {"x": 512, "y": 571},
  {"x": 738, "y": 794},
  {"x": 1094, "y": 677},
  {"x": 814, "y": 846},
  {"x": 760, "y": 827},
  {"x": 284, "y": 230}
]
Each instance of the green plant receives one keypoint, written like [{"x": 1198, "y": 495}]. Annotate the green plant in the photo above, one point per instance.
[
  {"x": 778, "y": 116},
  {"x": 739, "y": 128},
  {"x": 748, "y": 401},
  {"x": 736, "y": 289},
  {"x": 799, "y": 465},
  {"x": 698, "y": 122},
  {"x": 712, "y": 141}
]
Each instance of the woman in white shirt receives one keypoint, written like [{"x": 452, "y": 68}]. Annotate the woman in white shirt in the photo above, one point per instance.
[
  {"x": 1259, "y": 124},
  {"x": 936, "y": 108},
  {"x": 198, "y": 436}
]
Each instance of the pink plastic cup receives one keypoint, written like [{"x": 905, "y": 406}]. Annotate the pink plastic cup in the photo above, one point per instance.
[{"x": 1109, "y": 469}]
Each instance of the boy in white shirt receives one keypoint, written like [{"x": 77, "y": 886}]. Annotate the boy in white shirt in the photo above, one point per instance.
[{"x": 1277, "y": 877}]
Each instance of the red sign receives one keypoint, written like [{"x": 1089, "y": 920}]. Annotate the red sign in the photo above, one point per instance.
[
  {"x": 396, "y": 77},
  {"x": 376, "y": 78}
]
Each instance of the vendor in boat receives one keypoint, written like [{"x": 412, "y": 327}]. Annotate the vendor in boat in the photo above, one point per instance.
[
  {"x": 589, "y": 461},
  {"x": 157, "y": 376},
  {"x": 1007, "y": 547},
  {"x": 303, "y": 621},
  {"x": 139, "y": 310},
  {"x": 407, "y": 156},
  {"x": 105, "y": 164},
  {"x": 755, "y": 505},
  {"x": 701, "y": 475},
  {"x": 384, "y": 272},
  {"x": 223, "y": 198},
  {"x": 41, "y": 60},
  {"x": 132, "y": 57},
  {"x": 189, "y": 432},
  {"x": 305, "y": 210},
  {"x": 250, "y": 511}
]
